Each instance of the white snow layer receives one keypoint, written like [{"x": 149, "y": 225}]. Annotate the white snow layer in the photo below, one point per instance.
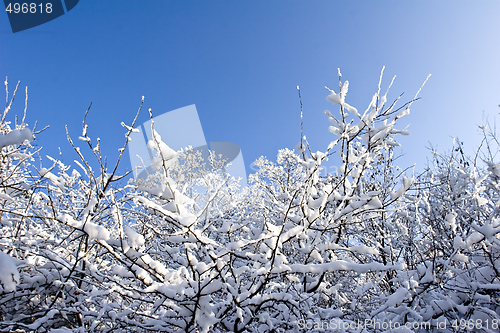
[
  {"x": 135, "y": 239},
  {"x": 9, "y": 276},
  {"x": 397, "y": 297},
  {"x": 15, "y": 137},
  {"x": 341, "y": 265},
  {"x": 93, "y": 230}
]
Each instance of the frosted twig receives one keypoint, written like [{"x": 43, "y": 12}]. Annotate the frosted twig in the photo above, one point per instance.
[
  {"x": 25, "y": 107},
  {"x": 6, "y": 83},
  {"x": 6, "y": 111},
  {"x": 302, "y": 150}
]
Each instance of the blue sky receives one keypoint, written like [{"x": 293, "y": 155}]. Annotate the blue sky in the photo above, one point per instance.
[{"x": 240, "y": 63}]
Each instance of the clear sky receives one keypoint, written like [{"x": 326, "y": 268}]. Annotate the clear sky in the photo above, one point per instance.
[{"x": 240, "y": 63}]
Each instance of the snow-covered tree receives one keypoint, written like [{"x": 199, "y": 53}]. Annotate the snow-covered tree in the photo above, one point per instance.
[{"x": 187, "y": 250}]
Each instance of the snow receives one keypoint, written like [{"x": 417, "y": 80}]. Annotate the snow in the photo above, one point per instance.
[
  {"x": 9, "y": 275},
  {"x": 361, "y": 249},
  {"x": 407, "y": 182},
  {"x": 6, "y": 197},
  {"x": 333, "y": 97},
  {"x": 340, "y": 98},
  {"x": 163, "y": 149},
  {"x": 93, "y": 230},
  {"x": 461, "y": 257},
  {"x": 488, "y": 230},
  {"x": 458, "y": 243},
  {"x": 341, "y": 265},
  {"x": 397, "y": 297},
  {"x": 374, "y": 203},
  {"x": 296, "y": 244},
  {"x": 96, "y": 231},
  {"x": 473, "y": 238},
  {"x": 16, "y": 137},
  {"x": 481, "y": 201},
  {"x": 129, "y": 128},
  {"x": 135, "y": 239},
  {"x": 450, "y": 221},
  {"x": 122, "y": 271}
]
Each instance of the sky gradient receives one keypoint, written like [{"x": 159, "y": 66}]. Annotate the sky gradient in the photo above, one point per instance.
[{"x": 239, "y": 62}]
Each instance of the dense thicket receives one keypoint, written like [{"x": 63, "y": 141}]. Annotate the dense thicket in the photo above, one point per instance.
[{"x": 369, "y": 247}]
